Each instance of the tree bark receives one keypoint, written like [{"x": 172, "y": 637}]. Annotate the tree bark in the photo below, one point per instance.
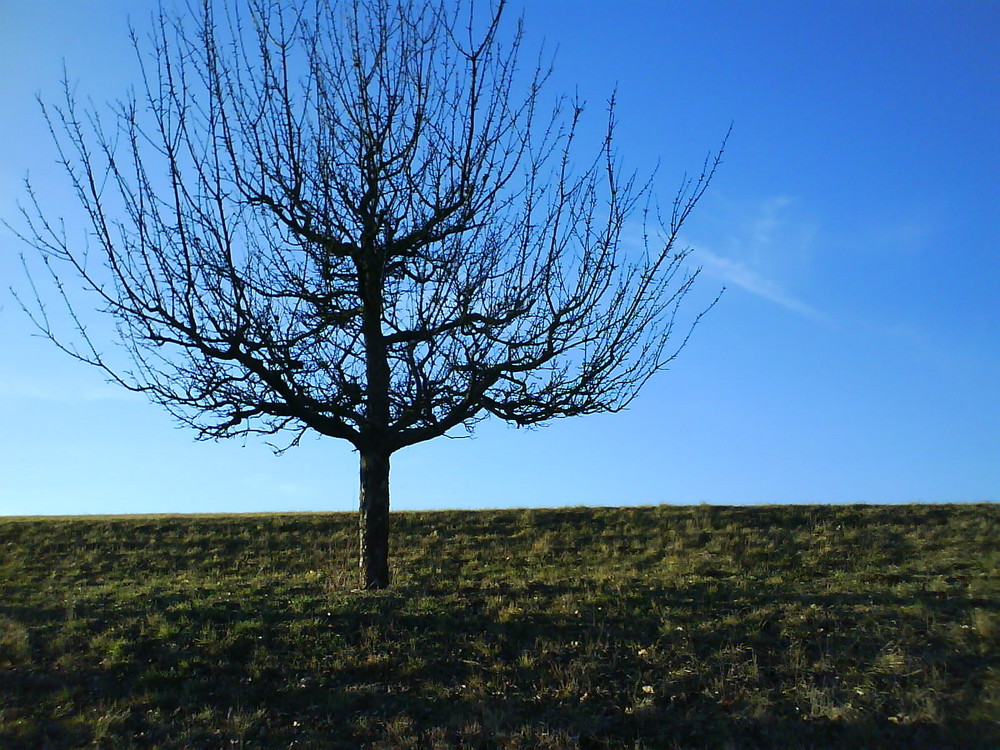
[{"x": 374, "y": 519}]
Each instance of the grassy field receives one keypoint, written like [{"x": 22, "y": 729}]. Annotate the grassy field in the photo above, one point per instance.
[{"x": 666, "y": 627}]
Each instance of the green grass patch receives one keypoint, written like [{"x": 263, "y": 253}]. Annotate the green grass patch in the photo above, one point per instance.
[{"x": 662, "y": 627}]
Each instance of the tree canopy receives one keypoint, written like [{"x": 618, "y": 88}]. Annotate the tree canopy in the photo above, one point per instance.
[{"x": 362, "y": 219}]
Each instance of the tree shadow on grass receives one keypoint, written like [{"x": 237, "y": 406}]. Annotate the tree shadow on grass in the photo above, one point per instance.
[{"x": 494, "y": 665}]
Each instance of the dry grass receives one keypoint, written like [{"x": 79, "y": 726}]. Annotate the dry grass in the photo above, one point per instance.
[{"x": 666, "y": 627}]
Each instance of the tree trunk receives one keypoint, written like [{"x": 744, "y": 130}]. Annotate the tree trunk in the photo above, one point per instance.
[{"x": 374, "y": 519}]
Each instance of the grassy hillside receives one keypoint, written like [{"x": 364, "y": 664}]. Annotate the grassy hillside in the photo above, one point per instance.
[{"x": 666, "y": 627}]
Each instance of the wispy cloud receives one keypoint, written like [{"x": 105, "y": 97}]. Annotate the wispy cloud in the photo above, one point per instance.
[
  {"x": 767, "y": 220},
  {"x": 742, "y": 275},
  {"x": 756, "y": 244},
  {"x": 63, "y": 393}
]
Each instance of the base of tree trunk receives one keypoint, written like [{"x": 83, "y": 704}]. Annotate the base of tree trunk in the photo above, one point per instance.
[{"x": 374, "y": 520}]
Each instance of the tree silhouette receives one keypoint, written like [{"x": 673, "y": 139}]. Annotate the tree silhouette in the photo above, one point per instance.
[{"x": 359, "y": 219}]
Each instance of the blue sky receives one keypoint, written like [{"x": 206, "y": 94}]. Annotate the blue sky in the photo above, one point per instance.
[{"x": 855, "y": 356}]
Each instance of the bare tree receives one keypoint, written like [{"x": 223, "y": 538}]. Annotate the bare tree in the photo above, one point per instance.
[{"x": 357, "y": 218}]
